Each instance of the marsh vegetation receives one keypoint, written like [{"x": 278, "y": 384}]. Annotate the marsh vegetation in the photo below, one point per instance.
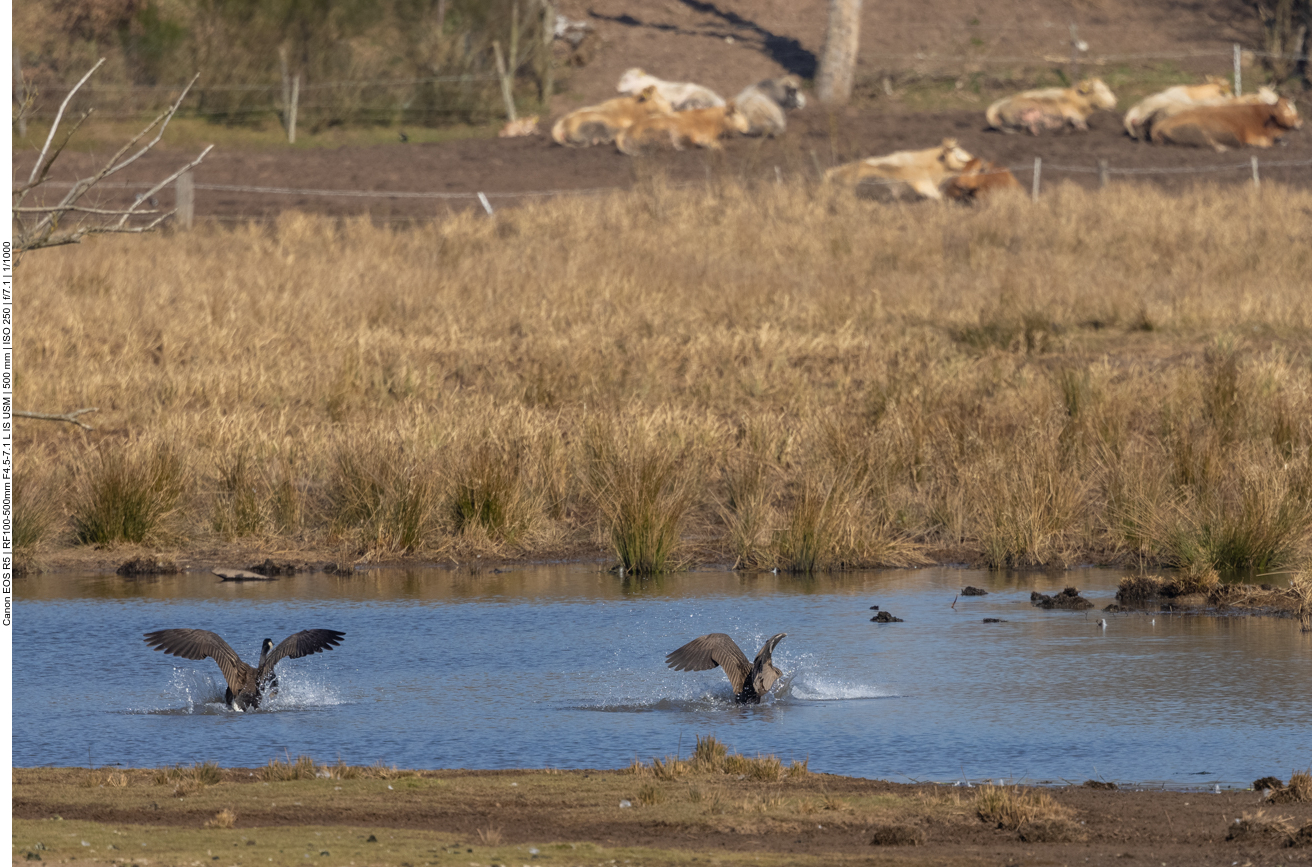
[{"x": 777, "y": 377}]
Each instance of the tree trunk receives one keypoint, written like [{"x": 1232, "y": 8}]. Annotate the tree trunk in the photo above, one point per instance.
[{"x": 833, "y": 81}]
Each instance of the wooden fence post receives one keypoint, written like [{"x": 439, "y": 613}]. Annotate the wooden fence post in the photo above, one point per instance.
[
  {"x": 548, "y": 66},
  {"x": 1239, "y": 80},
  {"x": 505, "y": 80},
  {"x": 1257, "y": 181},
  {"x": 1102, "y": 174},
  {"x": 184, "y": 189},
  {"x": 1034, "y": 189},
  {"x": 291, "y": 118}
]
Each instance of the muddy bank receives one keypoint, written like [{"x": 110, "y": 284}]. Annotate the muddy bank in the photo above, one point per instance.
[{"x": 767, "y": 815}]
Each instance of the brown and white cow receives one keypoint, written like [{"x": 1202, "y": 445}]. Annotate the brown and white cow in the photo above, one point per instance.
[
  {"x": 1214, "y": 91},
  {"x": 1051, "y": 108},
  {"x": 979, "y": 180},
  {"x": 920, "y": 172},
  {"x": 699, "y": 126},
  {"x": 597, "y": 124},
  {"x": 1263, "y": 96},
  {"x": 1222, "y": 127}
]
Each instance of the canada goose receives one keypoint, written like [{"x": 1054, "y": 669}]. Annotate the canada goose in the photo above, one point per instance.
[
  {"x": 246, "y": 685},
  {"x": 750, "y": 680}
]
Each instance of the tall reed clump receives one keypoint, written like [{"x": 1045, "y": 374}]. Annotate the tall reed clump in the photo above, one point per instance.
[
  {"x": 383, "y": 496},
  {"x": 816, "y": 533},
  {"x": 129, "y": 493},
  {"x": 644, "y": 480},
  {"x": 503, "y": 486}
]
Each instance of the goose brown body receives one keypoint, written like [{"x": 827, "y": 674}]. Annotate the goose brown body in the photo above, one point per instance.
[
  {"x": 247, "y": 684},
  {"x": 750, "y": 680}
]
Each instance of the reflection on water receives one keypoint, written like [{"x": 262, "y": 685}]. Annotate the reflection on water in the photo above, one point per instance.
[{"x": 563, "y": 666}]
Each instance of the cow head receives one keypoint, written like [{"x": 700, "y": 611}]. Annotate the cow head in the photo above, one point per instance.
[
  {"x": 1285, "y": 113},
  {"x": 735, "y": 119},
  {"x": 1221, "y": 84},
  {"x": 1098, "y": 93},
  {"x": 953, "y": 157}
]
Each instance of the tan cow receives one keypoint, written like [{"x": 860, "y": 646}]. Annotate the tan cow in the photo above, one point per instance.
[
  {"x": 1052, "y": 108},
  {"x": 919, "y": 172},
  {"x": 1222, "y": 127},
  {"x": 683, "y": 95},
  {"x": 978, "y": 180},
  {"x": 1211, "y": 93},
  {"x": 1264, "y": 96},
  {"x": 597, "y": 124},
  {"x": 699, "y": 126}
]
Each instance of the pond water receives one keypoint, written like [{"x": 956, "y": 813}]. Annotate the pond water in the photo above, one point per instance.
[{"x": 564, "y": 667}]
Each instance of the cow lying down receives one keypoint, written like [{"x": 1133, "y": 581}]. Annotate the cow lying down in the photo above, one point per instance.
[
  {"x": 1052, "y": 108},
  {"x": 597, "y": 124},
  {"x": 699, "y": 126},
  {"x": 1211, "y": 93},
  {"x": 905, "y": 175},
  {"x": 763, "y": 104},
  {"x": 1264, "y": 96},
  {"x": 681, "y": 95},
  {"x": 1222, "y": 127},
  {"x": 979, "y": 180}
]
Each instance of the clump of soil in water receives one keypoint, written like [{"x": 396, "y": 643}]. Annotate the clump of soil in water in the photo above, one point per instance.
[
  {"x": 1268, "y": 783},
  {"x": 1098, "y": 784},
  {"x": 898, "y": 835},
  {"x": 885, "y": 617},
  {"x": 1068, "y": 599},
  {"x": 147, "y": 566},
  {"x": 974, "y": 591},
  {"x": 994, "y": 620}
]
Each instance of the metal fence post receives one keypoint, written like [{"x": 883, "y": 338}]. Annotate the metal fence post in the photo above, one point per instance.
[
  {"x": 1038, "y": 168},
  {"x": 1257, "y": 181},
  {"x": 291, "y": 117},
  {"x": 1239, "y": 76}
]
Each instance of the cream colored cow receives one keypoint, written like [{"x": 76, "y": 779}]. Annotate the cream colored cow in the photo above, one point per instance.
[
  {"x": 1051, "y": 108},
  {"x": 601, "y": 123},
  {"x": 922, "y": 172},
  {"x": 682, "y": 95}
]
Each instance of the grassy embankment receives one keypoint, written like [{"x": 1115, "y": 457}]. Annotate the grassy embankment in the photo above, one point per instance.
[
  {"x": 726, "y": 807},
  {"x": 773, "y": 377}
]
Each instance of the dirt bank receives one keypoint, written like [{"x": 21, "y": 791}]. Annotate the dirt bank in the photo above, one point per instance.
[
  {"x": 513, "y": 170},
  {"x": 573, "y": 817}
]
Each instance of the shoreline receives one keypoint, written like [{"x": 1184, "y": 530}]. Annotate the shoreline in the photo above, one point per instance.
[{"x": 663, "y": 812}]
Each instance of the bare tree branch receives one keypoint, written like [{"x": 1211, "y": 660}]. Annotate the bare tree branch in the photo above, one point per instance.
[
  {"x": 70, "y": 417},
  {"x": 58, "y": 116},
  {"x": 44, "y": 230}
]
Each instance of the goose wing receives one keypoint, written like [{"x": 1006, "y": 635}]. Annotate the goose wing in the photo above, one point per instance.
[
  {"x": 707, "y": 652},
  {"x": 202, "y": 644},
  {"x": 764, "y": 673},
  {"x": 299, "y": 644}
]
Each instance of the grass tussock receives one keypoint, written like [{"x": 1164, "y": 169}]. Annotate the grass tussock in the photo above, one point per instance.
[
  {"x": 1032, "y": 813},
  {"x": 1258, "y": 827},
  {"x": 774, "y": 376},
  {"x": 1297, "y": 791},
  {"x": 225, "y": 818},
  {"x": 711, "y": 756},
  {"x": 186, "y": 780},
  {"x": 128, "y": 493},
  {"x": 300, "y": 768},
  {"x": 105, "y": 777}
]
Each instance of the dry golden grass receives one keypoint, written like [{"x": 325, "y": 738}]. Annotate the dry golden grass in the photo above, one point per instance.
[
  {"x": 1298, "y": 790},
  {"x": 225, "y": 818},
  {"x": 779, "y": 376},
  {"x": 1032, "y": 813}
]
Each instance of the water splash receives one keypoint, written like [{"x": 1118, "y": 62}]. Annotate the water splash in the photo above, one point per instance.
[
  {"x": 808, "y": 686},
  {"x": 191, "y": 691}
]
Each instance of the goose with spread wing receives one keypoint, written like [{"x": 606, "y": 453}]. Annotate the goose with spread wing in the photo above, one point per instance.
[
  {"x": 247, "y": 684},
  {"x": 750, "y": 680}
]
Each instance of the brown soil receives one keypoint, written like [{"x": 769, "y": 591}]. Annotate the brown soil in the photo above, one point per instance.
[
  {"x": 506, "y": 169},
  {"x": 812, "y": 819}
]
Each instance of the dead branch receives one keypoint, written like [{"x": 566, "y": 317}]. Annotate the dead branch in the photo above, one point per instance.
[
  {"x": 39, "y": 226},
  {"x": 70, "y": 417}
]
